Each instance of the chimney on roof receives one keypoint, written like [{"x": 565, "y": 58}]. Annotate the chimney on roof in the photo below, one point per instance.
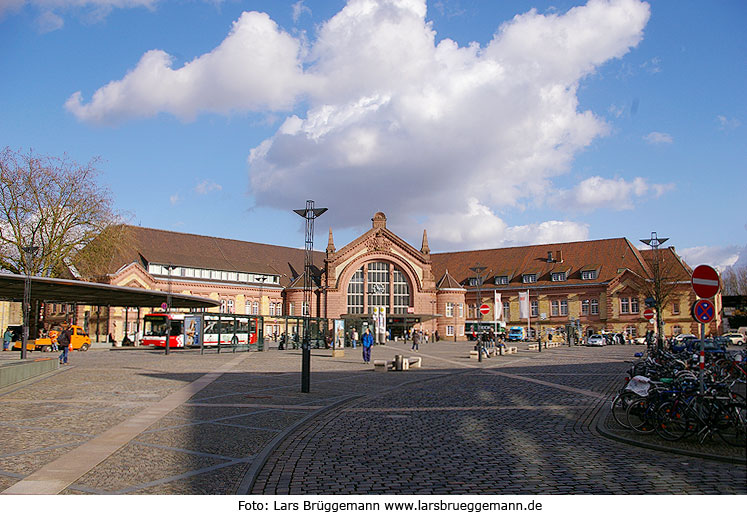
[
  {"x": 549, "y": 257},
  {"x": 559, "y": 256}
]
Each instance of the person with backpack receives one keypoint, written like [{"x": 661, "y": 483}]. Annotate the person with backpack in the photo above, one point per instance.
[{"x": 63, "y": 340}]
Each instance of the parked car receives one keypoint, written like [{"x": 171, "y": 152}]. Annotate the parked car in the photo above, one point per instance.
[
  {"x": 683, "y": 336},
  {"x": 596, "y": 340},
  {"x": 735, "y": 338},
  {"x": 639, "y": 340}
]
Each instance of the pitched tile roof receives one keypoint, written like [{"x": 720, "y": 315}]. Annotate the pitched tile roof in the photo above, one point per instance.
[
  {"x": 609, "y": 254},
  {"x": 191, "y": 250},
  {"x": 448, "y": 282}
]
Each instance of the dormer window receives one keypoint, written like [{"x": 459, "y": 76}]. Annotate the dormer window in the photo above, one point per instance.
[
  {"x": 589, "y": 275},
  {"x": 529, "y": 278},
  {"x": 558, "y": 276},
  {"x": 501, "y": 279}
]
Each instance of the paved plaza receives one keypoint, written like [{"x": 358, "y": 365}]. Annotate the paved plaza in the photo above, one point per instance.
[{"x": 138, "y": 422}]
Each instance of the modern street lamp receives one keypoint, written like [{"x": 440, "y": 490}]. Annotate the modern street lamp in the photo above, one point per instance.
[
  {"x": 309, "y": 214},
  {"x": 654, "y": 242},
  {"x": 28, "y": 256},
  {"x": 478, "y": 271}
]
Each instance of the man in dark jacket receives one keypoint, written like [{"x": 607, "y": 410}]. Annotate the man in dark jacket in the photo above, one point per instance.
[{"x": 63, "y": 340}]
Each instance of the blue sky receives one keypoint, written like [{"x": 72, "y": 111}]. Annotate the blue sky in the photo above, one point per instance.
[{"x": 487, "y": 123}]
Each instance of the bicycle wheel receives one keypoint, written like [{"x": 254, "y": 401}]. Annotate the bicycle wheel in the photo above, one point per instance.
[
  {"x": 619, "y": 407},
  {"x": 671, "y": 420},
  {"x": 640, "y": 416},
  {"x": 731, "y": 424}
]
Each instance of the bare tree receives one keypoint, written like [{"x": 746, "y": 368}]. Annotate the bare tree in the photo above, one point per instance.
[
  {"x": 734, "y": 281},
  {"x": 53, "y": 204}
]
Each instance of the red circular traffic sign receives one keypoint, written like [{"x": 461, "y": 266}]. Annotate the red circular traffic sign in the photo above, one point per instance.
[
  {"x": 648, "y": 314},
  {"x": 705, "y": 281},
  {"x": 484, "y": 309},
  {"x": 704, "y": 311}
]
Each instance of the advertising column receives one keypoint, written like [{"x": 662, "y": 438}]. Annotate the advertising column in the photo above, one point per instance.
[{"x": 379, "y": 319}]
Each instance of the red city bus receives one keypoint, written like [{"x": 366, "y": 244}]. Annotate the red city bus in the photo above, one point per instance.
[
  {"x": 232, "y": 329},
  {"x": 157, "y": 325}
]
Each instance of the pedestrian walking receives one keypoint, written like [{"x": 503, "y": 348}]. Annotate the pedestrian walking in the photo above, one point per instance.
[
  {"x": 7, "y": 337},
  {"x": 367, "y": 342},
  {"x": 354, "y": 338},
  {"x": 415, "y": 340},
  {"x": 63, "y": 340}
]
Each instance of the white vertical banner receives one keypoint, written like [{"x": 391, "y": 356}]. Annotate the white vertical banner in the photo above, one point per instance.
[
  {"x": 379, "y": 318},
  {"x": 524, "y": 304},
  {"x": 497, "y": 306}
]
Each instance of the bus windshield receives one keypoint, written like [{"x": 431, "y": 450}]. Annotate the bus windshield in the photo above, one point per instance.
[{"x": 155, "y": 326}]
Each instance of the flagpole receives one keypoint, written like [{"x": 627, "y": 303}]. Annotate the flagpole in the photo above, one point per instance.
[{"x": 529, "y": 312}]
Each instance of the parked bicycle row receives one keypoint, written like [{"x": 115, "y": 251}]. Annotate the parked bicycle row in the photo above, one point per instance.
[{"x": 662, "y": 395}]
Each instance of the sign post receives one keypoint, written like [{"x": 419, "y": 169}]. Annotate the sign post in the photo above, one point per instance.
[{"x": 706, "y": 284}]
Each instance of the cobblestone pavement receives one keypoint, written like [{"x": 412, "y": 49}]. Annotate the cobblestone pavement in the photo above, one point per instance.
[
  {"x": 512, "y": 424},
  {"x": 517, "y": 426}
]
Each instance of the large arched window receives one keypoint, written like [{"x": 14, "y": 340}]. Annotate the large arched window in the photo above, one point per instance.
[{"x": 383, "y": 284}]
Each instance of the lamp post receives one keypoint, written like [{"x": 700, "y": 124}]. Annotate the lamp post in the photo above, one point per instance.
[
  {"x": 167, "y": 346},
  {"x": 654, "y": 242},
  {"x": 261, "y": 279},
  {"x": 478, "y": 271},
  {"x": 28, "y": 256},
  {"x": 309, "y": 214}
]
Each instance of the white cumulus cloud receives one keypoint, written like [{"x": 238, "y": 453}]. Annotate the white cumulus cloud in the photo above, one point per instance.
[
  {"x": 720, "y": 257},
  {"x": 391, "y": 114},
  {"x": 616, "y": 194},
  {"x": 656, "y": 137},
  {"x": 207, "y": 186}
]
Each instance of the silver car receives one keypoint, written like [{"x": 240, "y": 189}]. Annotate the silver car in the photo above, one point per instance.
[{"x": 596, "y": 340}]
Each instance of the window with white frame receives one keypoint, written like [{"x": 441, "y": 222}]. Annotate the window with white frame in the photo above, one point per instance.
[
  {"x": 355, "y": 292},
  {"x": 558, "y": 276},
  {"x": 501, "y": 279},
  {"x": 449, "y": 330},
  {"x": 563, "y": 307},
  {"x": 589, "y": 275},
  {"x": 529, "y": 278},
  {"x": 534, "y": 308},
  {"x": 449, "y": 309},
  {"x": 229, "y": 306},
  {"x": 248, "y": 307},
  {"x": 555, "y": 308},
  {"x": 461, "y": 310},
  {"x": 255, "y": 308},
  {"x": 585, "y": 307},
  {"x": 624, "y": 305},
  {"x": 594, "y": 306},
  {"x": 676, "y": 308},
  {"x": 634, "y": 305},
  {"x": 631, "y": 331},
  {"x": 292, "y": 308},
  {"x": 305, "y": 308},
  {"x": 272, "y": 309},
  {"x": 506, "y": 310},
  {"x": 223, "y": 305}
]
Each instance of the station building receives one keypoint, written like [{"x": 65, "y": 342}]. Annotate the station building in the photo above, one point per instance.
[{"x": 596, "y": 285}]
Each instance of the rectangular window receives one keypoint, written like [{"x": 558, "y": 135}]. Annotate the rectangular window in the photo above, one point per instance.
[
  {"x": 624, "y": 305},
  {"x": 229, "y": 306},
  {"x": 506, "y": 311},
  {"x": 449, "y": 309},
  {"x": 585, "y": 307},
  {"x": 594, "y": 306},
  {"x": 676, "y": 308},
  {"x": 449, "y": 330},
  {"x": 535, "y": 308},
  {"x": 255, "y": 307},
  {"x": 292, "y": 308},
  {"x": 631, "y": 331},
  {"x": 634, "y": 305},
  {"x": 588, "y": 275},
  {"x": 461, "y": 310},
  {"x": 558, "y": 277},
  {"x": 305, "y": 307},
  {"x": 529, "y": 278},
  {"x": 564, "y": 307},
  {"x": 189, "y": 272},
  {"x": 272, "y": 309},
  {"x": 248, "y": 307},
  {"x": 223, "y": 305},
  {"x": 501, "y": 279}
]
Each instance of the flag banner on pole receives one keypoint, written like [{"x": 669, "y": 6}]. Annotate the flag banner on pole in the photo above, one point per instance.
[
  {"x": 497, "y": 306},
  {"x": 524, "y": 304}
]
